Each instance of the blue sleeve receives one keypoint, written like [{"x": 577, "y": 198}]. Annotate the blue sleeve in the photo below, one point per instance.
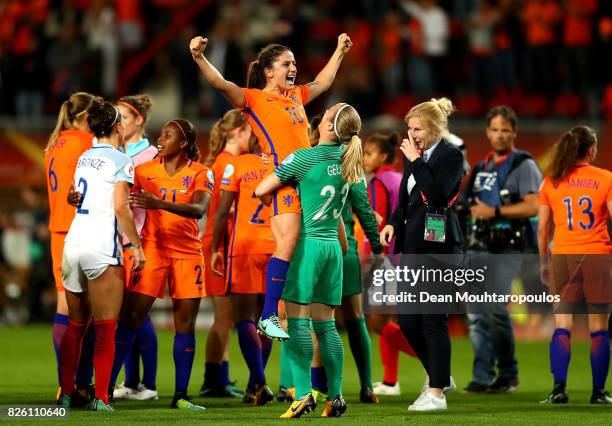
[{"x": 124, "y": 171}]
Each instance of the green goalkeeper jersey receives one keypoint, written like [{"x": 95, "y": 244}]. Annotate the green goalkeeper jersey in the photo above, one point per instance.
[{"x": 323, "y": 191}]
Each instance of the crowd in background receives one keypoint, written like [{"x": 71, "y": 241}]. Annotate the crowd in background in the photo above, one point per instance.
[{"x": 541, "y": 56}]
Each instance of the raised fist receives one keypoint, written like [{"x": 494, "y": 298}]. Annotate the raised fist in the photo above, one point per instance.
[
  {"x": 344, "y": 43},
  {"x": 197, "y": 45}
]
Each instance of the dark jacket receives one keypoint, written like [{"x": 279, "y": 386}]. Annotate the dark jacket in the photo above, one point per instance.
[{"x": 439, "y": 179}]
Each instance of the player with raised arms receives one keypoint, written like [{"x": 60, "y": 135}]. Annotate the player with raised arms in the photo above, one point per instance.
[
  {"x": 92, "y": 259},
  {"x": 274, "y": 107},
  {"x": 324, "y": 174},
  {"x": 577, "y": 199},
  {"x": 70, "y": 138},
  {"x": 229, "y": 138},
  {"x": 175, "y": 191},
  {"x": 250, "y": 247}
]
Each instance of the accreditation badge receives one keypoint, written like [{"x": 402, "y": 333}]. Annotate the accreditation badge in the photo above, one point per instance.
[{"x": 435, "y": 225}]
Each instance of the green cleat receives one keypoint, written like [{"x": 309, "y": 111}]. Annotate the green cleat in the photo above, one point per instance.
[
  {"x": 64, "y": 401},
  {"x": 184, "y": 404},
  {"x": 319, "y": 396},
  {"x": 271, "y": 328},
  {"x": 99, "y": 405}
]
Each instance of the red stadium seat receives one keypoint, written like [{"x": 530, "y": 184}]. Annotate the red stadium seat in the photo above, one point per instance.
[
  {"x": 399, "y": 106},
  {"x": 534, "y": 106},
  {"x": 569, "y": 105},
  {"x": 606, "y": 103},
  {"x": 470, "y": 105}
]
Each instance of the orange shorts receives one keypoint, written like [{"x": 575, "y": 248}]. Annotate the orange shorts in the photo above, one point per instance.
[
  {"x": 247, "y": 274},
  {"x": 215, "y": 284},
  {"x": 286, "y": 200},
  {"x": 185, "y": 277},
  {"x": 128, "y": 263},
  {"x": 57, "y": 250},
  {"x": 582, "y": 278}
]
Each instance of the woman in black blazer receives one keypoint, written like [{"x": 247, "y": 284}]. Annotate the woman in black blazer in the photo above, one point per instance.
[{"x": 433, "y": 169}]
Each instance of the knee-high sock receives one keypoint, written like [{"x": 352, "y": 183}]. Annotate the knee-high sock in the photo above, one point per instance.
[
  {"x": 70, "y": 350},
  {"x": 184, "y": 352},
  {"x": 276, "y": 275},
  {"x": 319, "y": 379},
  {"x": 124, "y": 338},
  {"x": 60, "y": 324},
  {"x": 332, "y": 354},
  {"x": 266, "y": 349},
  {"x": 300, "y": 350},
  {"x": 132, "y": 365},
  {"x": 359, "y": 341},
  {"x": 560, "y": 353},
  {"x": 396, "y": 339},
  {"x": 390, "y": 361},
  {"x": 147, "y": 338},
  {"x": 250, "y": 346},
  {"x": 85, "y": 369},
  {"x": 224, "y": 374},
  {"x": 600, "y": 358},
  {"x": 104, "y": 352},
  {"x": 286, "y": 376}
]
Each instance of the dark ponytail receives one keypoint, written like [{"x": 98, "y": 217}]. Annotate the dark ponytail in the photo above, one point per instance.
[
  {"x": 573, "y": 147},
  {"x": 387, "y": 143},
  {"x": 187, "y": 131},
  {"x": 102, "y": 118},
  {"x": 265, "y": 59}
]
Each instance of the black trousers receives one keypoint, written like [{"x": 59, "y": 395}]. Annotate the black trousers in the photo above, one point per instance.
[{"x": 428, "y": 336}]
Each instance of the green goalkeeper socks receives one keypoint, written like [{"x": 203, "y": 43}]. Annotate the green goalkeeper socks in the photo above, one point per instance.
[
  {"x": 332, "y": 354},
  {"x": 359, "y": 341},
  {"x": 286, "y": 378},
  {"x": 300, "y": 350}
]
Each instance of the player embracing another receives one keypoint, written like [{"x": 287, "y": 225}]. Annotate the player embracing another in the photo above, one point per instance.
[
  {"x": 92, "y": 258},
  {"x": 324, "y": 175},
  {"x": 577, "y": 199},
  {"x": 274, "y": 107},
  {"x": 250, "y": 247},
  {"x": 174, "y": 190}
]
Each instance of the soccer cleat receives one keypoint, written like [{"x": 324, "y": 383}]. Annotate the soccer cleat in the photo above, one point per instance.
[
  {"x": 428, "y": 402},
  {"x": 218, "y": 391},
  {"x": 271, "y": 328},
  {"x": 334, "y": 408},
  {"x": 599, "y": 396},
  {"x": 99, "y": 405},
  {"x": 319, "y": 396},
  {"x": 299, "y": 407},
  {"x": 233, "y": 389},
  {"x": 64, "y": 401},
  {"x": 122, "y": 391},
  {"x": 249, "y": 397},
  {"x": 285, "y": 394},
  {"x": 183, "y": 402},
  {"x": 475, "y": 387},
  {"x": 142, "y": 393},
  {"x": 450, "y": 388},
  {"x": 381, "y": 388},
  {"x": 367, "y": 396},
  {"x": 78, "y": 400},
  {"x": 263, "y": 395},
  {"x": 504, "y": 385},
  {"x": 556, "y": 398}
]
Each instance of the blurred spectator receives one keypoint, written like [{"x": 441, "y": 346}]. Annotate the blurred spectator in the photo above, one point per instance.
[
  {"x": 389, "y": 39},
  {"x": 64, "y": 59},
  {"x": 30, "y": 83},
  {"x": 541, "y": 18},
  {"x": 100, "y": 29},
  {"x": 433, "y": 37},
  {"x": 131, "y": 24},
  {"x": 508, "y": 41},
  {"x": 577, "y": 40},
  {"x": 481, "y": 36}
]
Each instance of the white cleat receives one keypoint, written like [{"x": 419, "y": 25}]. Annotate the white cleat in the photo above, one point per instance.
[
  {"x": 142, "y": 393},
  {"x": 428, "y": 402},
  {"x": 380, "y": 388},
  {"x": 122, "y": 391}
]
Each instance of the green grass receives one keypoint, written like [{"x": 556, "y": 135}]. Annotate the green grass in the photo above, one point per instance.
[{"x": 27, "y": 377}]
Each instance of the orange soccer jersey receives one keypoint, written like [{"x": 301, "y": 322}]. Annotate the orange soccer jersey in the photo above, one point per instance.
[
  {"x": 175, "y": 235},
  {"x": 279, "y": 122},
  {"x": 251, "y": 233},
  {"x": 222, "y": 160},
  {"x": 578, "y": 203},
  {"x": 60, "y": 163}
]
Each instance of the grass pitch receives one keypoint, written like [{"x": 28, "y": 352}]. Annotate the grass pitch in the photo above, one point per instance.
[{"x": 27, "y": 377}]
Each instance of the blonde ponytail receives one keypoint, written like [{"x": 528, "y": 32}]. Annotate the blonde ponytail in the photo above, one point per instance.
[
  {"x": 72, "y": 109},
  {"x": 352, "y": 169},
  {"x": 231, "y": 120}
]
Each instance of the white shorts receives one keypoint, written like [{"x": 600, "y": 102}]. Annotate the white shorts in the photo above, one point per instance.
[{"x": 80, "y": 264}]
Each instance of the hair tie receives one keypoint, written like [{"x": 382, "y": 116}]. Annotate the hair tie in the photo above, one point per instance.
[
  {"x": 132, "y": 108},
  {"x": 116, "y": 116},
  {"x": 85, "y": 110},
  {"x": 180, "y": 128},
  {"x": 336, "y": 119}
]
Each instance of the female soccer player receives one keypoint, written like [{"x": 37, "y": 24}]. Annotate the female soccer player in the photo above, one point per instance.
[
  {"x": 92, "y": 251},
  {"x": 383, "y": 191},
  {"x": 274, "y": 107},
  {"x": 577, "y": 199},
  {"x": 70, "y": 138},
  {"x": 228, "y": 139},
  {"x": 250, "y": 248},
  {"x": 175, "y": 191},
  {"x": 314, "y": 282},
  {"x": 134, "y": 111}
]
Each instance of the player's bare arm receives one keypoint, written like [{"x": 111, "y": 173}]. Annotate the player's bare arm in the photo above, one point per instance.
[
  {"x": 194, "y": 210},
  {"x": 326, "y": 76}
]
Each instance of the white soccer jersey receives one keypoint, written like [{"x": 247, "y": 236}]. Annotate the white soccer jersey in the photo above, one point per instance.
[{"x": 95, "y": 226}]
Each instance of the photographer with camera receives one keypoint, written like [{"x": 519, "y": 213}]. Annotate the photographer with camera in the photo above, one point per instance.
[{"x": 502, "y": 192}]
